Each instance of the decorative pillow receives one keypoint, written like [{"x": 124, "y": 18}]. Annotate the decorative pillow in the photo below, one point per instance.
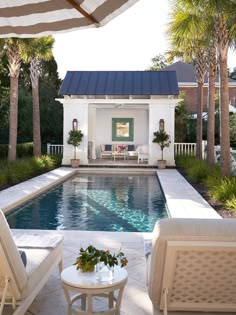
[
  {"x": 108, "y": 147},
  {"x": 131, "y": 147},
  {"x": 23, "y": 257}
]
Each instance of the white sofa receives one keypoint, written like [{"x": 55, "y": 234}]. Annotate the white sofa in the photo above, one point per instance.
[{"x": 107, "y": 149}]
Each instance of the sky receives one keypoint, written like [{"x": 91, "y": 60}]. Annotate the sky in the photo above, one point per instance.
[{"x": 126, "y": 43}]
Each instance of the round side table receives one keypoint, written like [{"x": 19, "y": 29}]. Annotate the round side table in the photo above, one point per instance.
[{"x": 87, "y": 286}]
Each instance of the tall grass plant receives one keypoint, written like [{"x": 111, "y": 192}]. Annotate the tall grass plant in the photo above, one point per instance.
[
  {"x": 218, "y": 188},
  {"x": 22, "y": 150},
  {"x": 20, "y": 170}
]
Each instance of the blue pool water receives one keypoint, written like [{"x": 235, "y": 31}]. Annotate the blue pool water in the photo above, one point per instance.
[{"x": 95, "y": 203}]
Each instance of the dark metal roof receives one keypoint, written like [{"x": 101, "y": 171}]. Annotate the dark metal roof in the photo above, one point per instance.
[
  {"x": 120, "y": 83},
  {"x": 186, "y": 73}
]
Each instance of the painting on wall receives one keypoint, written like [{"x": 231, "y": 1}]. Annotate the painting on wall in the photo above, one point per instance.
[{"x": 122, "y": 129}]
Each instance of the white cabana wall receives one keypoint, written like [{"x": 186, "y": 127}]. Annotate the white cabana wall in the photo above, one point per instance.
[
  {"x": 94, "y": 119},
  {"x": 103, "y": 134},
  {"x": 162, "y": 109},
  {"x": 75, "y": 110}
]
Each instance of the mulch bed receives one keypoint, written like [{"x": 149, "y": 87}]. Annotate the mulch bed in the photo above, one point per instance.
[{"x": 217, "y": 205}]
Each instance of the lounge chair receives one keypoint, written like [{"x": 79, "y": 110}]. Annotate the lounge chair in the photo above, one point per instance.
[
  {"x": 19, "y": 285},
  {"x": 193, "y": 265}
]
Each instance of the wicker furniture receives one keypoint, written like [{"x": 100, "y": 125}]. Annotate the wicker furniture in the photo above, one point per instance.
[
  {"x": 192, "y": 266},
  {"x": 88, "y": 287}
]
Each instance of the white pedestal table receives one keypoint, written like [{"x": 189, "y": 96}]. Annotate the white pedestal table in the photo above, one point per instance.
[{"x": 87, "y": 286}]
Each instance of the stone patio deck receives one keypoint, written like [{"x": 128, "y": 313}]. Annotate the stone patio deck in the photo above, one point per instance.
[{"x": 182, "y": 201}]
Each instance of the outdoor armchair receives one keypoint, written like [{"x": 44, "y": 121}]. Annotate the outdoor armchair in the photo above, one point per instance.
[
  {"x": 193, "y": 265},
  {"x": 132, "y": 151},
  {"x": 143, "y": 153},
  {"x": 19, "y": 285}
]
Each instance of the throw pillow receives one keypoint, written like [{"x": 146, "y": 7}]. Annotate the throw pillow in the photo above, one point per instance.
[
  {"x": 23, "y": 257},
  {"x": 131, "y": 147},
  {"x": 108, "y": 147}
]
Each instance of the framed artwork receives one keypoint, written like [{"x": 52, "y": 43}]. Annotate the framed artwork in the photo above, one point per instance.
[{"x": 122, "y": 129}]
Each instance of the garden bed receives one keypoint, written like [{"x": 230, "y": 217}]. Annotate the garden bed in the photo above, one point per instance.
[{"x": 217, "y": 205}]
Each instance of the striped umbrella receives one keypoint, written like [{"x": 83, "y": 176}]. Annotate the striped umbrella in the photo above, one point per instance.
[{"x": 31, "y": 18}]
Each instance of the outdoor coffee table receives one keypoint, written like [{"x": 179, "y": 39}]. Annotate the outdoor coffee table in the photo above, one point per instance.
[
  {"x": 88, "y": 286},
  {"x": 116, "y": 154}
]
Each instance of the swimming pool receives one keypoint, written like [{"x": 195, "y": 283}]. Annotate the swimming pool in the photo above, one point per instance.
[{"x": 131, "y": 203}]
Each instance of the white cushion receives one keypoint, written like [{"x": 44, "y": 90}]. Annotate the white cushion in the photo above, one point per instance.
[
  {"x": 10, "y": 261},
  {"x": 39, "y": 262}
]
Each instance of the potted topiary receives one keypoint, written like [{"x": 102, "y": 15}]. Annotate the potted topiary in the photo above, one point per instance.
[
  {"x": 163, "y": 139},
  {"x": 75, "y": 137}
]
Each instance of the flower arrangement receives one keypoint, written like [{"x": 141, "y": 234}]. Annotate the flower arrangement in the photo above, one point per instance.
[
  {"x": 91, "y": 256},
  {"x": 122, "y": 147}
]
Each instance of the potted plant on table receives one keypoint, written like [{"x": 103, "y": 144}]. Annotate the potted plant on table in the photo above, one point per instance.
[
  {"x": 163, "y": 139},
  {"x": 91, "y": 257},
  {"x": 75, "y": 137}
]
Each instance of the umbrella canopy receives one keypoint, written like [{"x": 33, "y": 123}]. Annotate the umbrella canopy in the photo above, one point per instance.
[{"x": 31, "y": 18}]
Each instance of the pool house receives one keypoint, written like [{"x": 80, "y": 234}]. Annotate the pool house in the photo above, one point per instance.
[{"x": 114, "y": 108}]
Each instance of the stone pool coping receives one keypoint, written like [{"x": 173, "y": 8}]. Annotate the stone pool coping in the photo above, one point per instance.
[{"x": 181, "y": 198}]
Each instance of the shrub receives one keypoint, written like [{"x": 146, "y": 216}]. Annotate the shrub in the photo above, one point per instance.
[
  {"x": 212, "y": 182},
  {"x": 22, "y": 150},
  {"x": 3, "y": 178},
  {"x": 185, "y": 161},
  {"x": 198, "y": 172},
  {"x": 25, "y": 149},
  {"x": 3, "y": 151},
  {"x": 224, "y": 189},
  {"x": 231, "y": 204},
  {"x": 22, "y": 169}
]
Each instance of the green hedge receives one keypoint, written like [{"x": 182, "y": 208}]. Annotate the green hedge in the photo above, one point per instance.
[
  {"x": 22, "y": 150},
  {"x": 20, "y": 170}
]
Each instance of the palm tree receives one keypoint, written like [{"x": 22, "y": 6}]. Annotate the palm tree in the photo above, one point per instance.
[
  {"x": 212, "y": 69},
  {"x": 186, "y": 36},
  {"x": 11, "y": 47},
  {"x": 201, "y": 68},
  {"x": 222, "y": 33},
  {"x": 223, "y": 14},
  {"x": 34, "y": 51}
]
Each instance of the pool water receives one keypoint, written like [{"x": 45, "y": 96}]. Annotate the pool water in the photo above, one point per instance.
[{"x": 131, "y": 203}]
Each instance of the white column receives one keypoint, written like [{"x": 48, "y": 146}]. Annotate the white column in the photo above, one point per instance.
[
  {"x": 80, "y": 112},
  {"x": 162, "y": 109},
  {"x": 172, "y": 134},
  {"x": 92, "y": 129}
]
